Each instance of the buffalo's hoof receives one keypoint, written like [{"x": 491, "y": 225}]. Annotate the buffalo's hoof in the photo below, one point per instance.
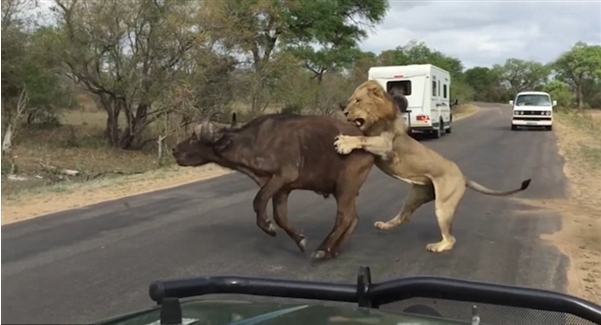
[
  {"x": 269, "y": 229},
  {"x": 318, "y": 255},
  {"x": 324, "y": 254},
  {"x": 302, "y": 244}
]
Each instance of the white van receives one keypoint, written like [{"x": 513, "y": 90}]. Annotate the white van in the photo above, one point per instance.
[
  {"x": 532, "y": 108},
  {"x": 427, "y": 89}
]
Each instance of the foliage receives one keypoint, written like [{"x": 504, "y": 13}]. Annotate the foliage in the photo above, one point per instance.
[
  {"x": 259, "y": 30},
  {"x": 580, "y": 68},
  {"x": 335, "y": 30},
  {"x": 485, "y": 83},
  {"x": 519, "y": 75},
  {"x": 560, "y": 92},
  {"x": 416, "y": 52},
  {"x": 27, "y": 66}
]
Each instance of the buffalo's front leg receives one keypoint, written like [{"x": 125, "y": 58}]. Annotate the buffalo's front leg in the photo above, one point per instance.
[
  {"x": 280, "y": 211},
  {"x": 260, "y": 203}
]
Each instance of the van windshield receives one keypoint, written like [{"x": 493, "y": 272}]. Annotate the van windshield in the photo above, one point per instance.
[{"x": 533, "y": 100}]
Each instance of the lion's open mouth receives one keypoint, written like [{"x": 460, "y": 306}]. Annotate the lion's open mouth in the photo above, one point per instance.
[{"x": 359, "y": 122}]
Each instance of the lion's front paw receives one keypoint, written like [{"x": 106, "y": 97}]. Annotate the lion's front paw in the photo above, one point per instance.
[{"x": 345, "y": 144}]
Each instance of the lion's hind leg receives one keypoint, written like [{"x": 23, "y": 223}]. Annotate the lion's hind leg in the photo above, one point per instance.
[
  {"x": 449, "y": 193},
  {"x": 418, "y": 196}
]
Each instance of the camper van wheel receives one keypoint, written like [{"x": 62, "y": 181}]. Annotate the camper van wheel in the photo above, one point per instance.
[
  {"x": 439, "y": 131},
  {"x": 450, "y": 124}
]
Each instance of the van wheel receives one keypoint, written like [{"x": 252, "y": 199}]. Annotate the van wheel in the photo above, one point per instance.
[
  {"x": 439, "y": 132},
  {"x": 450, "y": 125},
  {"x": 549, "y": 128},
  {"x": 514, "y": 127}
]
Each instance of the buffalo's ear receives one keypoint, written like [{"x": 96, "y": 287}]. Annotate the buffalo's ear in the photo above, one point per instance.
[{"x": 234, "y": 121}]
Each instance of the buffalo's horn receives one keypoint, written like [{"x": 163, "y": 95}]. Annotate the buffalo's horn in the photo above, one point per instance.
[
  {"x": 205, "y": 129},
  {"x": 198, "y": 131},
  {"x": 208, "y": 118}
]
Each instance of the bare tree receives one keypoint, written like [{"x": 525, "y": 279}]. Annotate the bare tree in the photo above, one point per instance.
[
  {"x": 130, "y": 55},
  {"x": 13, "y": 123}
]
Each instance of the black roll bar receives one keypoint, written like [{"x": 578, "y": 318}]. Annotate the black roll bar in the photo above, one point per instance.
[{"x": 372, "y": 295}]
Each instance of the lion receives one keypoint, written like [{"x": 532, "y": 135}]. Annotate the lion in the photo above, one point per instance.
[{"x": 432, "y": 176}]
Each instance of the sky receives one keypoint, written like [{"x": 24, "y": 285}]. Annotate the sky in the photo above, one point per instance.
[{"x": 483, "y": 33}]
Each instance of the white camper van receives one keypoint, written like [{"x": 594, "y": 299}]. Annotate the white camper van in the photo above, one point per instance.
[
  {"x": 532, "y": 108},
  {"x": 427, "y": 89}
]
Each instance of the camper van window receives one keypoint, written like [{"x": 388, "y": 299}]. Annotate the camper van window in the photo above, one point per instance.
[
  {"x": 444, "y": 91},
  {"x": 434, "y": 88},
  {"x": 402, "y": 86},
  {"x": 439, "y": 88}
]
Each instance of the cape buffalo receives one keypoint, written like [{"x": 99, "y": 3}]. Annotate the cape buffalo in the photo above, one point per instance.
[{"x": 281, "y": 153}]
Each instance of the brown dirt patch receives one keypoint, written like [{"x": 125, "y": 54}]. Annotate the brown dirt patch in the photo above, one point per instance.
[{"x": 580, "y": 236}]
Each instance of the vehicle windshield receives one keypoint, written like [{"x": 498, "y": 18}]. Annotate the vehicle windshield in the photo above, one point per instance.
[{"x": 533, "y": 100}]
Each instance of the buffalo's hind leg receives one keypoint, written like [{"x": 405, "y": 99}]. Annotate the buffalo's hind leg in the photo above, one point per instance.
[
  {"x": 346, "y": 221},
  {"x": 347, "y": 233},
  {"x": 350, "y": 180},
  {"x": 280, "y": 215}
]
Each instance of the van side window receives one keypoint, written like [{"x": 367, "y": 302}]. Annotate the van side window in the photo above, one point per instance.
[
  {"x": 434, "y": 88},
  {"x": 444, "y": 91},
  {"x": 439, "y": 93},
  {"x": 402, "y": 86}
]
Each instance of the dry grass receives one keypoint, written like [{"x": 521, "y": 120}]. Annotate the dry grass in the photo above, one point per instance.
[
  {"x": 580, "y": 236},
  {"x": 463, "y": 111},
  {"x": 79, "y": 145}
]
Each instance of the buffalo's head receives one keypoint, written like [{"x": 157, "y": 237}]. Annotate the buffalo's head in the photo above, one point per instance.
[{"x": 199, "y": 148}]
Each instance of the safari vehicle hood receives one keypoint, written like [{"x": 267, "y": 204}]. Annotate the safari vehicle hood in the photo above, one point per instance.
[
  {"x": 215, "y": 312},
  {"x": 177, "y": 302}
]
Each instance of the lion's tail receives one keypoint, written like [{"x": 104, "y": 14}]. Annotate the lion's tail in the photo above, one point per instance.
[{"x": 485, "y": 190}]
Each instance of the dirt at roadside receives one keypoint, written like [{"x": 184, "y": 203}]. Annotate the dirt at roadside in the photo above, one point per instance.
[
  {"x": 65, "y": 197},
  {"x": 580, "y": 237}
]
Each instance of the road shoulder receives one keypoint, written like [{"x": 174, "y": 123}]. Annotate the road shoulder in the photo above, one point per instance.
[
  {"x": 579, "y": 238},
  {"x": 62, "y": 197}
]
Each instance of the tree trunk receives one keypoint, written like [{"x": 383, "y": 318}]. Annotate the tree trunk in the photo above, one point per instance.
[
  {"x": 318, "y": 93},
  {"x": 112, "y": 127},
  {"x": 580, "y": 97},
  {"x": 7, "y": 141}
]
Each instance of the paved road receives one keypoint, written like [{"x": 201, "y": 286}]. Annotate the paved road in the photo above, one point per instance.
[{"x": 90, "y": 263}]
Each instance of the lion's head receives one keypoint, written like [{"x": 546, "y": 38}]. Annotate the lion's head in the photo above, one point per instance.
[{"x": 369, "y": 105}]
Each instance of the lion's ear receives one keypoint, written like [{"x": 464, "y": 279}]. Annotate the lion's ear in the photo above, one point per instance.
[{"x": 375, "y": 88}]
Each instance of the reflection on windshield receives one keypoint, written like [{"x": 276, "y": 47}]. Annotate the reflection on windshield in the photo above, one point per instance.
[{"x": 533, "y": 100}]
